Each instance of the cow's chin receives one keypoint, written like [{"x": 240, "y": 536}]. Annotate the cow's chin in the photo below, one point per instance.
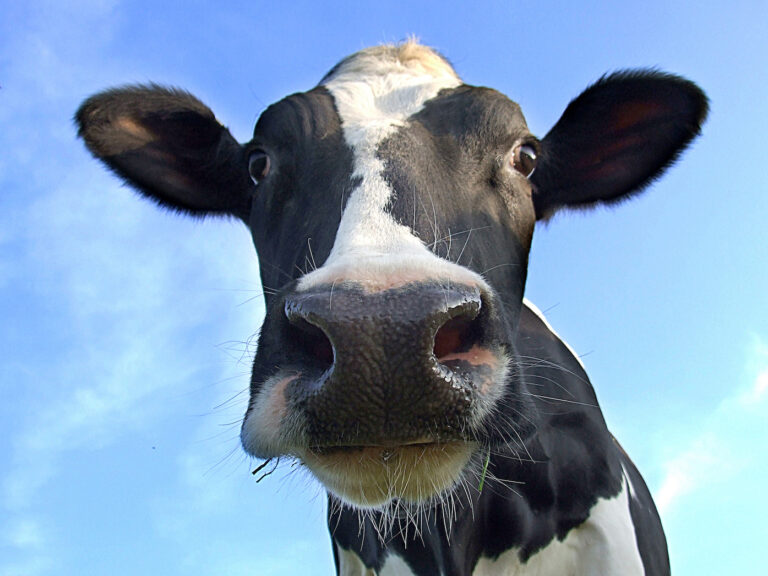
[{"x": 371, "y": 476}]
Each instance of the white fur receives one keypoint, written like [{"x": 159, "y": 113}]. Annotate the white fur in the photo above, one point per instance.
[
  {"x": 395, "y": 566},
  {"x": 605, "y": 545},
  {"x": 270, "y": 428},
  {"x": 375, "y": 93},
  {"x": 541, "y": 316},
  {"x": 351, "y": 565},
  {"x": 632, "y": 493}
]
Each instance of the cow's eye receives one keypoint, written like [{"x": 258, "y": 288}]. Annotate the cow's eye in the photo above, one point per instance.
[
  {"x": 258, "y": 165},
  {"x": 524, "y": 159}
]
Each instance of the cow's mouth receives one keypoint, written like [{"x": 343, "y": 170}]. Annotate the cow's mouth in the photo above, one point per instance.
[
  {"x": 370, "y": 476},
  {"x": 384, "y": 449}
]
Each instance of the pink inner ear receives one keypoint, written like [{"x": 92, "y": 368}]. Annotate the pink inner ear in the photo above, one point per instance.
[
  {"x": 621, "y": 135},
  {"x": 600, "y": 165},
  {"x": 632, "y": 113}
]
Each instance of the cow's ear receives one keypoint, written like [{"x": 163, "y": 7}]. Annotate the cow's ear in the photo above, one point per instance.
[
  {"x": 615, "y": 138},
  {"x": 170, "y": 147}
]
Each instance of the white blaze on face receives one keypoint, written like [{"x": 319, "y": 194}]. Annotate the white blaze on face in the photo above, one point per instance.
[{"x": 375, "y": 92}]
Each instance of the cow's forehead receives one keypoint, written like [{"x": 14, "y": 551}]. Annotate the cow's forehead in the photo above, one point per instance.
[
  {"x": 387, "y": 107},
  {"x": 407, "y": 58},
  {"x": 375, "y": 93}
]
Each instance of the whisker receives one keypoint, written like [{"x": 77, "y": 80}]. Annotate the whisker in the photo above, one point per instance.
[
  {"x": 466, "y": 241},
  {"x": 279, "y": 270},
  {"x": 232, "y": 398},
  {"x": 563, "y": 400},
  {"x": 492, "y": 268},
  {"x": 312, "y": 256}
]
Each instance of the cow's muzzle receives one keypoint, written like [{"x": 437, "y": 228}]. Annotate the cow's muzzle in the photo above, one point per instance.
[{"x": 394, "y": 367}]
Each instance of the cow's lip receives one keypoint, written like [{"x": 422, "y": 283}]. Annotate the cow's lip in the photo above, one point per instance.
[
  {"x": 327, "y": 449},
  {"x": 370, "y": 475}
]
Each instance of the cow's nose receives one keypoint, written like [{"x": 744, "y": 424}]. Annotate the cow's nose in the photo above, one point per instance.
[
  {"x": 415, "y": 321},
  {"x": 386, "y": 363}
]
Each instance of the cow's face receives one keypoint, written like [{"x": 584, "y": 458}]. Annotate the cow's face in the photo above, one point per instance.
[
  {"x": 388, "y": 217},
  {"x": 392, "y": 209}
]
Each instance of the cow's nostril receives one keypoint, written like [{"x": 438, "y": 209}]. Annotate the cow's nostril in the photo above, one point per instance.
[
  {"x": 455, "y": 336},
  {"x": 314, "y": 342}
]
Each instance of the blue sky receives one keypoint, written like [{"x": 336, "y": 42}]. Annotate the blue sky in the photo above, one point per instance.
[{"x": 126, "y": 333}]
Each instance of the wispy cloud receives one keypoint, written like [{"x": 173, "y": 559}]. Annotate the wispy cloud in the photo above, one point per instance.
[
  {"x": 124, "y": 296},
  {"x": 25, "y": 533},
  {"x": 117, "y": 309},
  {"x": 730, "y": 443},
  {"x": 24, "y": 537},
  {"x": 284, "y": 517},
  {"x": 29, "y": 567},
  {"x": 706, "y": 460}
]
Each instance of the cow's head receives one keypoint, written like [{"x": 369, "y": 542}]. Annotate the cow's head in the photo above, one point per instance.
[{"x": 392, "y": 209}]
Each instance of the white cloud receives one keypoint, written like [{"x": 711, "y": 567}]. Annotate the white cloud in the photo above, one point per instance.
[
  {"x": 729, "y": 443},
  {"x": 755, "y": 397},
  {"x": 25, "y": 537},
  {"x": 760, "y": 389},
  {"x": 116, "y": 274},
  {"x": 691, "y": 469},
  {"x": 29, "y": 567},
  {"x": 224, "y": 498},
  {"x": 25, "y": 533},
  {"x": 139, "y": 305},
  {"x": 127, "y": 305}
]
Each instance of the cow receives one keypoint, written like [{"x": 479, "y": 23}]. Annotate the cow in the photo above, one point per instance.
[{"x": 392, "y": 208}]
